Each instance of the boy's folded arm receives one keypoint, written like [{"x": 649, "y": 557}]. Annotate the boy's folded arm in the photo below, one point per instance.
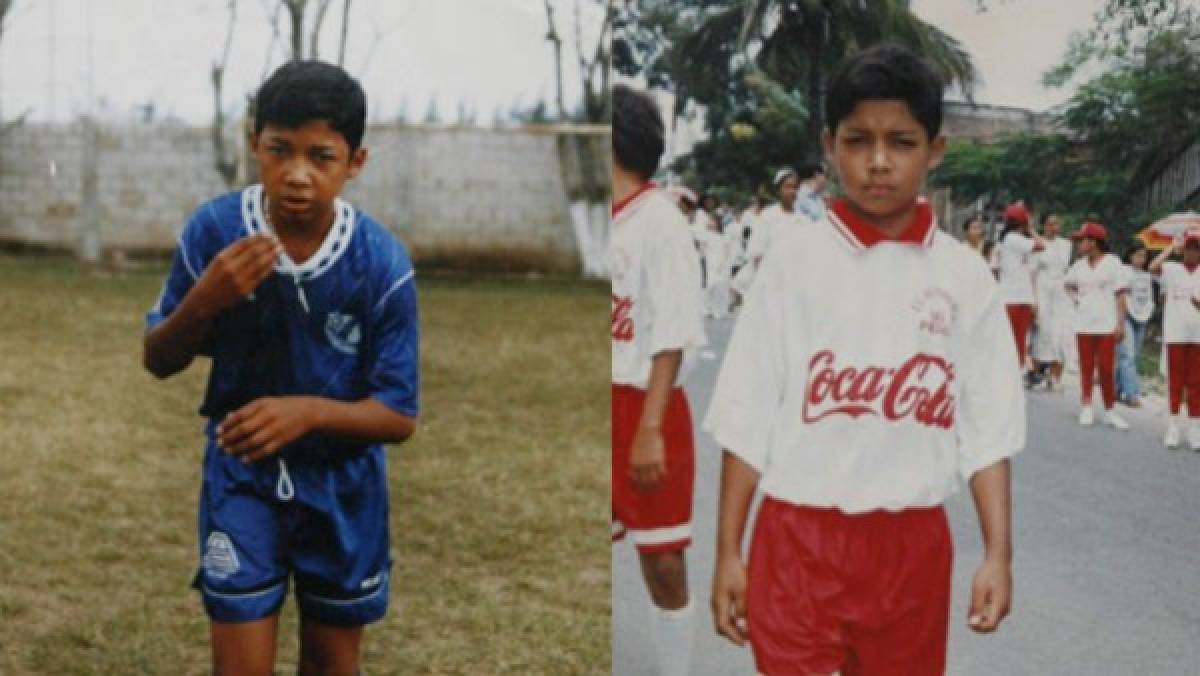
[
  {"x": 264, "y": 426},
  {"x": 171, "y": 345},
  {"x": 367, "y": 419}
]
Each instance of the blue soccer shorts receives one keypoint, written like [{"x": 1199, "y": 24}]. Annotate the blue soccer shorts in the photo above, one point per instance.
[{"x": 322, "y": 524}]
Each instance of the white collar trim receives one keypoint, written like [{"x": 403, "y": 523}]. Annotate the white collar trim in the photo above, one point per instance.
[{"x": 337, "y": 240}]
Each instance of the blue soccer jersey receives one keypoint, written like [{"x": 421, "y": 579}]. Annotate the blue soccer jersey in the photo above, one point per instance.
[{"x": 342, "y": 325}]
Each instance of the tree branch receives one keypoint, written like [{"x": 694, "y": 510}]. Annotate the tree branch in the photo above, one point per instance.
[
  {"x": 345, "y": 30},
  {"x": 314, "y": 37},
  {"x": 295, "y": 10},
  {"x": 226, "y": 167}
]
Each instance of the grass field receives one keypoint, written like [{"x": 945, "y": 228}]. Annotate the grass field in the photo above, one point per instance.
[{"x": 499, "y": 504}]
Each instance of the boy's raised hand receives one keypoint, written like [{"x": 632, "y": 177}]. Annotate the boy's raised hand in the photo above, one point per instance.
[
  {"x": 236, "y": 272},
  {"x": 729, "y": 599},
  {"x": 262, "y": 427},
  {"x": 991, "y": 595}
]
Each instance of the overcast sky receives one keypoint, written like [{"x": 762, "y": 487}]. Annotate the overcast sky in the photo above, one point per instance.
[
  {"x": 1013, "y": 43},
  {"x": 489, "y": 53},
  {"x": 63, "y": 57}
]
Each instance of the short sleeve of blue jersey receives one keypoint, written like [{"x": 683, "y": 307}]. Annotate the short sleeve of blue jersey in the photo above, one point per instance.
[
  {"x": 192, "y": 255},
  {"x": 394, "y": 352}
]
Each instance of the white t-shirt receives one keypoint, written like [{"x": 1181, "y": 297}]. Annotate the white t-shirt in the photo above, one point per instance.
[
  {"x": 1140, "y": 301},
  {"x": 656, "y": 295},
  {"x": 1096, "y": 295},
  {"x": 1014, "y": 262},
  {"x": 769, "y": 224},
  {"x": 1052, "y": 262},
  {"x": 881, "y": 395},
  {"x": 1181, "y": 319}
]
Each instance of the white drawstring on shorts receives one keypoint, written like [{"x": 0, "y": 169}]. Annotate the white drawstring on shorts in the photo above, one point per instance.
[{"x": 284, "y": 490}]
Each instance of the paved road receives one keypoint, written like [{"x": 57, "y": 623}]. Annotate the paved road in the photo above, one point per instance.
[{"x": 1107, "y": 565}]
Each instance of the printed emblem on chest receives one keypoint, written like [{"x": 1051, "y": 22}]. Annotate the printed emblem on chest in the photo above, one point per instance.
[
  {"x": 343, "y": 332},
  {"x": 935, "y": 310}
]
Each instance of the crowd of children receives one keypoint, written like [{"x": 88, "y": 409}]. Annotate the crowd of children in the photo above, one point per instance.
[{"x": 1092, "y": 315}]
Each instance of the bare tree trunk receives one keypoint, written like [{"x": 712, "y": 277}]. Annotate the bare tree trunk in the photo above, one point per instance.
[
  {"x": 314, "y": 37},
  {"x": 5, "y": 5},
  {"x": 295, "y": 10},
  {"x": 345, "y": 30},
  {"x": 274, "y": 41},
  {"x": 552, "y": 36},
  {"x": 596, "y": 100},
  {"x": 225, "y": 166}
]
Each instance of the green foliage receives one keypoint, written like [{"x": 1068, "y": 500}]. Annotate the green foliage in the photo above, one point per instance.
[
  {"x": 1121, "y": 128},
  {"x": 762, "y": 65}
]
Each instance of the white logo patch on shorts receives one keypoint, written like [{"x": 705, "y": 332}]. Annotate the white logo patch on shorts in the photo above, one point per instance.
[
  {"x": 343, "y": 332},
  {"x": 220, "y": 559},
  {"x": 372, "y": 582}
]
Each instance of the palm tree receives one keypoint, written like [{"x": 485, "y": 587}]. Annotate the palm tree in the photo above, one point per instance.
[{"x": 797, "y": 43}]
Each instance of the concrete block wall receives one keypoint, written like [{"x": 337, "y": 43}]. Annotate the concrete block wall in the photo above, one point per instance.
[{"x": 458, "y": 196}]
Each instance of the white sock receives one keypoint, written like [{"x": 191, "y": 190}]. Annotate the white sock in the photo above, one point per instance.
[{"x": 672, "y": 631}]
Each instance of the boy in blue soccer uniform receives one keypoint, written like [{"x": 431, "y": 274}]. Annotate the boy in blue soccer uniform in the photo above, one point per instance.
[{"x": 308, "y": 310}]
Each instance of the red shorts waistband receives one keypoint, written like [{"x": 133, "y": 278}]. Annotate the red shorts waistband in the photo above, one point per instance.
[{"x": 833, "y": 514}]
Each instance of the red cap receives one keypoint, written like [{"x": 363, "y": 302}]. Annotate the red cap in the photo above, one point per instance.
[
  {"x": 1092, "y": 230},
  {"x": 1017, "y": 212}
]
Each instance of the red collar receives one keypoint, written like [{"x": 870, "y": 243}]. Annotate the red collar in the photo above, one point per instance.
[
  {"x": 618, "y": 206},
  {"x": 862, "y": 235}
]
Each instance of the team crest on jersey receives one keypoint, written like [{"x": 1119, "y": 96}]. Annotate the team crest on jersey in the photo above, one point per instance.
[
  {"x": 936, "y": 311},
  {"x": 220, "y": 559},
  {"x": 343, "y": 332}
]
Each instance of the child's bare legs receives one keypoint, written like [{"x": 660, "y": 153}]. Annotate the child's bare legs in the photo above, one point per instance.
[
  {"x": 248, "y": 648},
  {"x": 326, "y": 650},
  {"x": 671, "y": 613},
  {"x": 1056, "y": 373},
  {"x": 666, "y": 578},
  {"x": 244, "y": 648}
]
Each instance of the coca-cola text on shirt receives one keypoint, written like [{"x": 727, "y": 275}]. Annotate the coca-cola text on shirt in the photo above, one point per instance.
[
  {"x": 622, "y": 318},
  {"x": 921, "y": 388}
]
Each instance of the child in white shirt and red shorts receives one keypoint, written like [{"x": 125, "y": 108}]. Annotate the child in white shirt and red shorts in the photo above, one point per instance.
[
  {"x": 859, "y": 413},
  {"x": 1097, "y": 283},
  {"x": 1181, "y": 333},
  {"x": 657, "y": 325}
]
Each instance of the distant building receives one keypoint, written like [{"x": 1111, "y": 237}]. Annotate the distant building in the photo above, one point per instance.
[{"x": 985, "y": 122}]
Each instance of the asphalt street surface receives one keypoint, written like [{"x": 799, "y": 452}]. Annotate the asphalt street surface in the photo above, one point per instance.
[{"x": 1106, "y": 539}]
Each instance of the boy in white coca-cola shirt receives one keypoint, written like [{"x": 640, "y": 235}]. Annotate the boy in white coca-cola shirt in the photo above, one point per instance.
[
  {"x": 859, "y": 412},
  {"x": 656, "y": 328}
]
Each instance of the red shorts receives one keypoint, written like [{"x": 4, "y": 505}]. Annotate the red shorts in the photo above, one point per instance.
[
  {"x": 1021, "y": 318},
  {"x": 855, "y": 593},
  {"x": 659, "y": 520}
]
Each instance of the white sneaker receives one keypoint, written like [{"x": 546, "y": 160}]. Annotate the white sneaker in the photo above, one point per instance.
[
  {"x": 1087, "y": 416},
  {"x": 1171, "y": 438},
  {"x": 1117, "y": 422},
  {"x": 1193, "y": 435}
]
